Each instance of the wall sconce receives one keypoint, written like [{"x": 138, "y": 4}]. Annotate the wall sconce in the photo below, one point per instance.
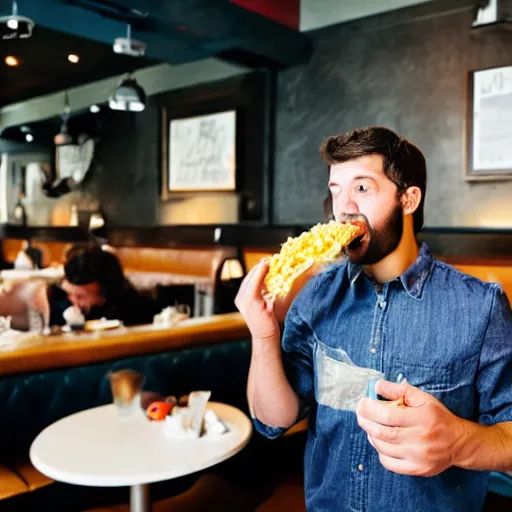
[
  {"x": 96, "y": 221},
  {"x": 231, "y": 269}
]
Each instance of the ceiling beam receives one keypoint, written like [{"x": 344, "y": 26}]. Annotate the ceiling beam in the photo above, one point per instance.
[
  {"x": 222, "y": 26},
  {"x": 179, "y": 31},
  {"x": 154, "y": 80},
  {"x": 63, "y": 17}
]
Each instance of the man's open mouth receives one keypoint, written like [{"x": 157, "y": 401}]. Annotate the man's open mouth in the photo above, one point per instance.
[
  {"x": 357, "y": 242},
  {"x": 361, "y": 241}
]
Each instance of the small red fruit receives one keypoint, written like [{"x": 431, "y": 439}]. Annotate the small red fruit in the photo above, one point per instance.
[{"x": 157, "y": 411}]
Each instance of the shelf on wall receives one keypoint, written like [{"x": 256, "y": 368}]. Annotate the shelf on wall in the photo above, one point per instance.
[
  {"x": 63, "y": 234},
  {"x": 205, "y": 235}
]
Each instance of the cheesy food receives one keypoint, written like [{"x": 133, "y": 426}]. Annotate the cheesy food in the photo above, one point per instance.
[{"x": 323, "y": 243}]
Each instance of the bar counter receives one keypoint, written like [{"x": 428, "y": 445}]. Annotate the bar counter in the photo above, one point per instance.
[{"x": 36, "y": 353}]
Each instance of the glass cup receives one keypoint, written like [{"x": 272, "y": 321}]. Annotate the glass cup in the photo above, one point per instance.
[
  {"x": 171, "y": 316},
  {"x": 126, "y": 386}
]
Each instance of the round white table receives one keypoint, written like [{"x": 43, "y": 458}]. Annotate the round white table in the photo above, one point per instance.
[{"x": 97, "y": 448}]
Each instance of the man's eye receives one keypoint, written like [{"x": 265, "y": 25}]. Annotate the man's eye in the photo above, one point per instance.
[{"x": 362, "y": 188}]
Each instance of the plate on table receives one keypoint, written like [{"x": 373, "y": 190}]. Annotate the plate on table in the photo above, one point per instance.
[{"x": 101, "y": 325}]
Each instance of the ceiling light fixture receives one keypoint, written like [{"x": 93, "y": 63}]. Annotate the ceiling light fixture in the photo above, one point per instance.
[
  {"x": 128, "y": 96},
  {"x": 15, "y": 26},
  {"x": 29, "y": 137},
  {"x": 12, "y": 61},
  {"x": 73, "y": 58},
  {"x": 128, "y": 46},
  {"x": 63, "y": 138}
]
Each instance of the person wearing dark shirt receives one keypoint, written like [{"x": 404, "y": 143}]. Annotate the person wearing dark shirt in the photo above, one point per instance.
[{"x": 95, "y": 283}]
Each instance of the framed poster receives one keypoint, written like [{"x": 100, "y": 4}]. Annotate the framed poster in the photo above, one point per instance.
[
  {"x": 489, "y": 122},
  {"x": 201, "y": 153}
]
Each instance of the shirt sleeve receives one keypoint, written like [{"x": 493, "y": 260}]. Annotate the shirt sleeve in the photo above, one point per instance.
[
  {"x": 297, "y": 353},
  {"x": 494, "y": 379}
]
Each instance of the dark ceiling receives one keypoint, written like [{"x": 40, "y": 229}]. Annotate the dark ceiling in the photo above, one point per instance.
[
  {"x": 254, "y": 33},
  {"x": 44, "y": 67}
]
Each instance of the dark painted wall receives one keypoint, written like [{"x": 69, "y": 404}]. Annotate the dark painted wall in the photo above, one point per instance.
[
  {"x": 124, "y": 174},
  {"x": 125, "y": 177},
  {"x": 406, "y": 70}
]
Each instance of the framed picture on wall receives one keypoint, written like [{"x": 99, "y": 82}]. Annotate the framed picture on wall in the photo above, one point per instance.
[
  {"x": 201, "y": 153},
  {"x": 489, "y": 125},
  {"x": 215, "y": 150}
]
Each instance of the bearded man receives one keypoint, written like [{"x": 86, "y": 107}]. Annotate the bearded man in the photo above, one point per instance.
[{"x": 393, "y": 310}]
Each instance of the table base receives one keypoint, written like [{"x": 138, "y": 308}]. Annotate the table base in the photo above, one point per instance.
[{"x": 139, "y": 498}]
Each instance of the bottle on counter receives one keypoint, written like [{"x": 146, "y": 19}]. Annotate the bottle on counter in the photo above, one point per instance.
[
  {"x": 73, "y": 217},
  {"x": 20, "y": 214}
]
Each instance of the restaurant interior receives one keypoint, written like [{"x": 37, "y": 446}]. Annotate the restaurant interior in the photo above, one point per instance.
[{"x": 183, "y": 137}]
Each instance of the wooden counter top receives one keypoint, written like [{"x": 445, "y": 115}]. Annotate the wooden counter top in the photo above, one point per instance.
[{"x": 37, "y": 353}]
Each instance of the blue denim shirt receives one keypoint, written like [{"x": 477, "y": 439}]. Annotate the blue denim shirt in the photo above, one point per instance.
[{"x": 448, "y": 333}]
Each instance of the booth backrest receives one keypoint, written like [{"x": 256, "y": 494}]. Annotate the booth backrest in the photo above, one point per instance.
[
  {"x": 194, "y": 261},
  {"x": 53, "y": 252},
  {"x": 491, "y": 273},
  {"x": 31, "y": 402},
  {"x": 202, "y": 262}
]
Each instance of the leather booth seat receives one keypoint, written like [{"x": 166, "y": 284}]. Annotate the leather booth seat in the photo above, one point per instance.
[{"x": 30, "y": 402}]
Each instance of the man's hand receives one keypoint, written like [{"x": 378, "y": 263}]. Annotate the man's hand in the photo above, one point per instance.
[
  {"x": 256, "y": 307},
  {"x": 421, "y": 437},
  {"x": 271, "y": 398}
]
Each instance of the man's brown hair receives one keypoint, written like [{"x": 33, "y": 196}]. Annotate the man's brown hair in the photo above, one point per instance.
[{"x": 404, "y": 163}]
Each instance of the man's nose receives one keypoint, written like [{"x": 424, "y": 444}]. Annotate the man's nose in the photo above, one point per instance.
[{"x": 348, "y": 207}]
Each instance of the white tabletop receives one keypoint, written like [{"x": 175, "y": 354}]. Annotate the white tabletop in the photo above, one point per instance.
[{"x": 96, "y": 448}]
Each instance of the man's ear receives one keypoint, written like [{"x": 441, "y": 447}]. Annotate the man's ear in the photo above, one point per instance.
[{"x": 411, "y": 200}]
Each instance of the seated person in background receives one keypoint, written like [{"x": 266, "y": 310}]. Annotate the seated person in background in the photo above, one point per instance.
[{"x": 94, "y": 282}]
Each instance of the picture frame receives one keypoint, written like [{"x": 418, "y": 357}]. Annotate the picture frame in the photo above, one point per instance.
[
  {"x": 488, "y": 133},
  {"x": 251, "y": 96},
  {"x": 200, "y": 152}
]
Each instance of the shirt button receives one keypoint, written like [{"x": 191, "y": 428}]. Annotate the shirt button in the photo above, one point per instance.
[
  {"x": 360, "y": 467},
  {"x": 382, "y": 304},
  {"x": 373, "y": 350}
]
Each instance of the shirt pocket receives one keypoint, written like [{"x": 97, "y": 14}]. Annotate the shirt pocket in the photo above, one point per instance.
[
  {"x": 450, "y": 383},
  {"x": 339, "y": 383}
]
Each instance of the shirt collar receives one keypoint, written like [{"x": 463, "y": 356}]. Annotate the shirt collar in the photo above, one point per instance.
[{"x": 413, "y": 279}]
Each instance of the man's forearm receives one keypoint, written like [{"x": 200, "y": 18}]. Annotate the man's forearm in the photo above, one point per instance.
[
  {"x": 485, "y": 448},
  {"x": 271, "y": 398}
]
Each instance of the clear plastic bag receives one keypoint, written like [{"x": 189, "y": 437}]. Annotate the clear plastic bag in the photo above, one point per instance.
[{"x": 340, "y": 384}]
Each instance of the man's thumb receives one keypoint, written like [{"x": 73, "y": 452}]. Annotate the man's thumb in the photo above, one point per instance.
[{"x": 410, "y": 395}]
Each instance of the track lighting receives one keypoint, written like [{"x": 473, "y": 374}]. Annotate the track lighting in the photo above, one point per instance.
[{"x": 15, "y": 26}]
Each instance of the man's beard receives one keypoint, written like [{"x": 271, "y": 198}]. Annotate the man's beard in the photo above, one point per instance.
[{"x": 381, "y": 242}]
